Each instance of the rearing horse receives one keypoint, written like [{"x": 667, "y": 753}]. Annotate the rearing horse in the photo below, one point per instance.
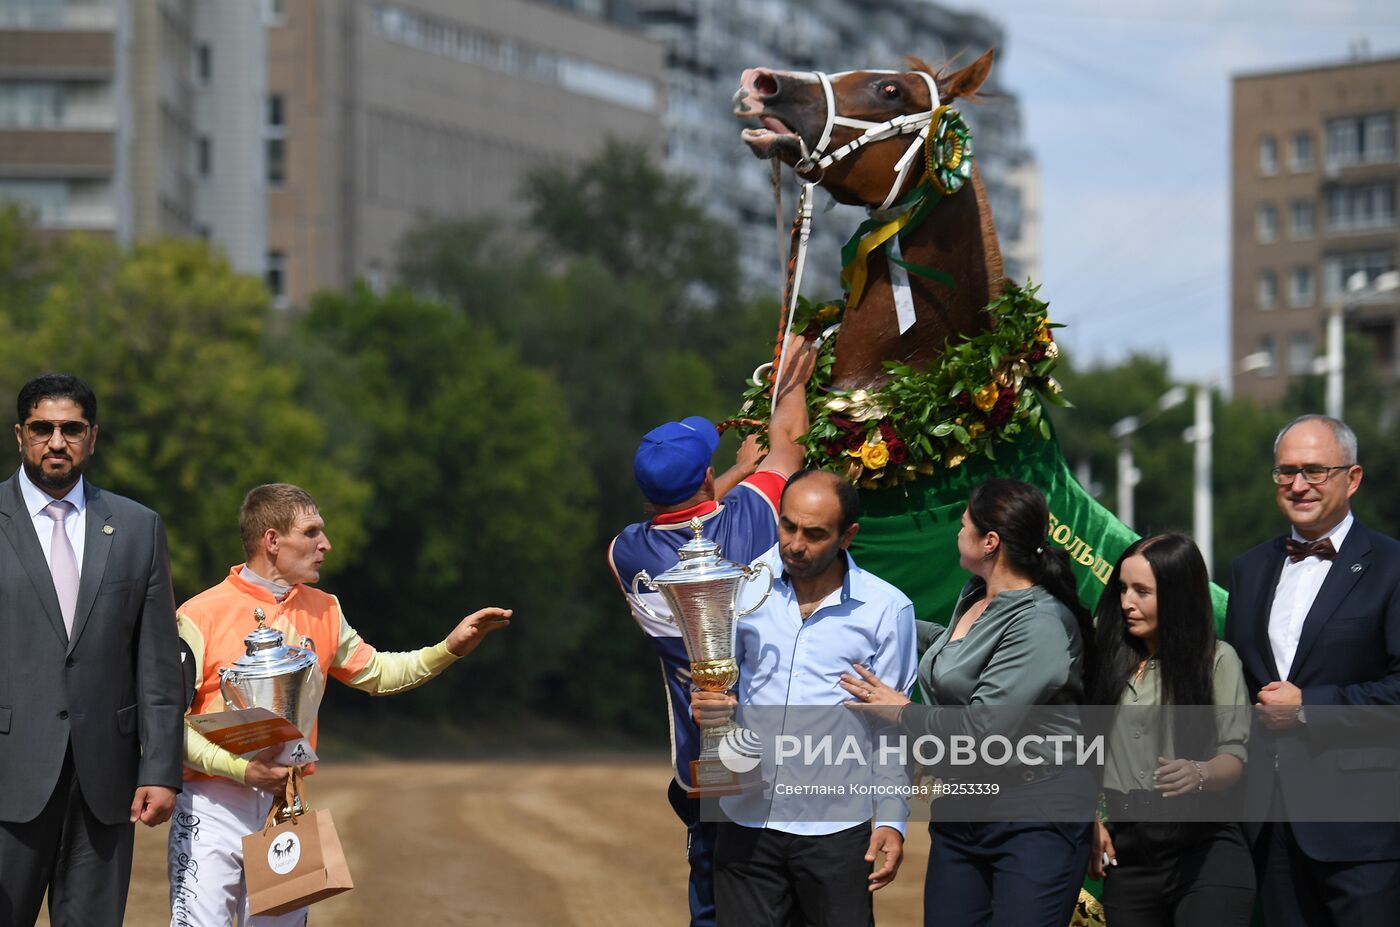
[{"x": 851, "y": 134}]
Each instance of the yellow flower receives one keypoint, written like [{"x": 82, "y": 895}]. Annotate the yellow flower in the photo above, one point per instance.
[
  {"x": 1043, "y": 335},
  {"x": 975, "y": 429},
  {"x": 986, "y": 397},
  {"x": 875, "y": 456},
  {"x": 955, "y": 460}
]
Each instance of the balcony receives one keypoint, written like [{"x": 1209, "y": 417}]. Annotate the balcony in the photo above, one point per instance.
[
  {"x": 55, "y": 153},
  {"x": 42, "y": 54}
]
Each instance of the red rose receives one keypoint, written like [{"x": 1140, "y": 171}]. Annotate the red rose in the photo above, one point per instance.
[
  {"x": 964, "y": 400},
  {"x": 1037, "y": 353},
  {"x": 887, "y": 431},
  {"x": 854, "y": 441},
  {"x": 899, "y": 453},
  {"x": 840, "y": 421},
  {"x": 835, "y": 448}
]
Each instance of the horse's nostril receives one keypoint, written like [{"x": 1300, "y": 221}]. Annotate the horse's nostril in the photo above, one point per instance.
[{"x": 765, "y": 85}]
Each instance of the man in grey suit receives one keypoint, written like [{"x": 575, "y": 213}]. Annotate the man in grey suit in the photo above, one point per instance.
[{"x": 91, "y": 733}]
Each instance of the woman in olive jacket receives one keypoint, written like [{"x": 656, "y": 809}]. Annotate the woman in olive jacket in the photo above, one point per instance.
[{"x": 1010, "y": 845}]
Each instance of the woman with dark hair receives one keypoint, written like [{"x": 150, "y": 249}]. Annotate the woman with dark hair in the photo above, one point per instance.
[
  {"x": 1012, "y": 848},
  {"x": 1164, "y": 856}
]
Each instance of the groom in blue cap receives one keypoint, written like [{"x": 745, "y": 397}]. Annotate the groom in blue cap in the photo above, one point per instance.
[{"x": 739, "y": 511}]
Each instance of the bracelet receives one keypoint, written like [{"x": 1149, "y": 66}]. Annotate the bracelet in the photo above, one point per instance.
[{"x": 1201, "y": 776}]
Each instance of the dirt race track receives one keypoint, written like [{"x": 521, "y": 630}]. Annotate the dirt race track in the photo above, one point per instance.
[{"x": 505, "y": 844}]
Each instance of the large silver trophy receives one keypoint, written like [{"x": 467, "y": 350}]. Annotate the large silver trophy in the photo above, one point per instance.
[
  {"x": 285, "y": 680},
  {"x": 702, "y": 591}
]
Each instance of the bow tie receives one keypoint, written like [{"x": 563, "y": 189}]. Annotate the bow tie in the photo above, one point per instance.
[{"x": 1298, "y": 550}]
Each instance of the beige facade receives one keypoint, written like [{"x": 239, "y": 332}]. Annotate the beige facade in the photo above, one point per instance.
[
  {"x": 382, "y": 115},
  {"x": 1313, "y": 207}
]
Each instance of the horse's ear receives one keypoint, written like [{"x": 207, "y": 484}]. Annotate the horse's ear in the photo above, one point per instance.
[{"x": 964, "y": 83}]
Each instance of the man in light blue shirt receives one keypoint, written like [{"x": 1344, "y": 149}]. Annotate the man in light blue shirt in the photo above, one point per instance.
[{"x": 794, "y": 852}]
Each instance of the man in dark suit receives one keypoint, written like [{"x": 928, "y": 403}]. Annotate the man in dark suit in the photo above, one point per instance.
[
  {"x": 1315, "y": 618},
  {"x": 90, "y": 685}
]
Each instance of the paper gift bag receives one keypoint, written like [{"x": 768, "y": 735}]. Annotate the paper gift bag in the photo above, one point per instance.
[{"x": 295, "y": 863}]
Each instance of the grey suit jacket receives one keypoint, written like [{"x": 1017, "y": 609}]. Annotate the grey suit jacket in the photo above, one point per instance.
[{"x": 113, "y": 691}]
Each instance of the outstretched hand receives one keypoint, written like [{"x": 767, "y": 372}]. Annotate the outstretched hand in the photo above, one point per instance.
[{"x": 467, "y": 636}]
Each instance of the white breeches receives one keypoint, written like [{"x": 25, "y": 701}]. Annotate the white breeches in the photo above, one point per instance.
[{"x": 206, "y": 856}]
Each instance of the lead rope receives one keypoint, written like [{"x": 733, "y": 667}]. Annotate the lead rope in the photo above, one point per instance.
[{"x": 802, "y": 233}]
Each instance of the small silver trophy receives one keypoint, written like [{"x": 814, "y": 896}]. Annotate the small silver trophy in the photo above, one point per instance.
[
  {"x": 285, "y": 680},
  {"x": 702, "y": 590}
]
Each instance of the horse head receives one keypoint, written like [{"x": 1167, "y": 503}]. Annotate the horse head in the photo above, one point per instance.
[
  {"x": 857, "y": 134},
  {"x": 805, "y": 115}
]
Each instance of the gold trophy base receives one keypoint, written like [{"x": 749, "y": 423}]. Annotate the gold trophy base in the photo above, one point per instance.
[{"x": 710, "y": 778}]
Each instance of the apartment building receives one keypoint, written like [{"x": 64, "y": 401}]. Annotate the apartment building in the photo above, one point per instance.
[
  {"x": 304, "y": 137},
  {"x": 1313, "y": 220},
  {"x": 94, "y": 115}
]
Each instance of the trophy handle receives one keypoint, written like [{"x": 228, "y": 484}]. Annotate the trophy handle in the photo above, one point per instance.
[
  {"x": 224, "y": 689},
  {"x": 752, "y": 571},
  {"x": 640, "y": 604}
]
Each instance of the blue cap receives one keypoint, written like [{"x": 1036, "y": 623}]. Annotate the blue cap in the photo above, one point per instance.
[{"x": 671, "y": 462}]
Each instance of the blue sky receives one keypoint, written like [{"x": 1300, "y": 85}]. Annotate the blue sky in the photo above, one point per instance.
[{"x": 1127, "y": 107}]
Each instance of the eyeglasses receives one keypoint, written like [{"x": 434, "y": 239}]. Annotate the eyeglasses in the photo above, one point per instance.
[
  {"x": 40, "y": 431},
  {"x": 1312, "y": 473}
]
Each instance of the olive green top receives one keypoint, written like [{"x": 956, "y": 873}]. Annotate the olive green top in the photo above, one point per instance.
[
  {"x": 1138, "y": 737},
  {"x": 1023, "y": 652}
]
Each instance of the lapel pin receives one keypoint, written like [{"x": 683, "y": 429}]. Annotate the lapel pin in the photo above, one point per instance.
[
  {"x": 108, "y": 529},
  {"x": 1357, "y": 568}
]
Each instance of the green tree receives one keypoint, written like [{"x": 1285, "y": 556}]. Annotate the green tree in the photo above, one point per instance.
[
  {"x": 191, "y": 413},
  {"x": 625, "y": 292},
  {"x": 477, "y": 495}
]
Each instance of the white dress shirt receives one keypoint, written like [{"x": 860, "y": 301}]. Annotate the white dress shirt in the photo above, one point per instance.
[
  {"x": 1293, "y": 598},
  {"x": 36, "y": 500}
]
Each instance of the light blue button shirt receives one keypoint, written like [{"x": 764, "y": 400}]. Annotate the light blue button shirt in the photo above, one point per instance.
[
  {"x": 75, "y": 525},
  {"x": 784, "y": 660}
]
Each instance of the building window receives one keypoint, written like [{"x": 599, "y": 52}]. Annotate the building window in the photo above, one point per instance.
[
  {"x": 1300, "y": 154},
  {"x": 1266, "y": 223},
  {"x": 204, "y": 156},
  {"x": 1268, "y": 155},
  {"x": 203, "y": 63},
  {"x": 275, "y": 276},
  {"x": 1361, "y": 207},
  {"x": 275, "y": 140},
  {"x": 1300, "y": 353},
  {"x": 1267, "y": 290},
  {"x": 1368, "y": 139},
  {"x": 1266, "y": 348},
  {"x": 1300, "y": 287},
  {"x": 1300, "y": 219},
  {"x": 1337, "y": 269},
  {"x": 32, "y": 14},
  {"x": 31, "y": 104},
  {"x": 46, "y": 199}
]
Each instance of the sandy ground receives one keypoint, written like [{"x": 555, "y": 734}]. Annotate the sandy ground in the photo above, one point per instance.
[{"x": 505, "y": 844}]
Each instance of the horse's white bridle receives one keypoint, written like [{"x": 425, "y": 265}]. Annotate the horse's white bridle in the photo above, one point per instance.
[{"x": 819, "y": 159}]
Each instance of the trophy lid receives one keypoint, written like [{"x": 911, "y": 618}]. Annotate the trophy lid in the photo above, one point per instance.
[
  {"x": 267, "y": 655},
  {"x": 700, "y": 562}
]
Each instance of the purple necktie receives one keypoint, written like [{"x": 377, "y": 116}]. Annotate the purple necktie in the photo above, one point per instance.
[{"x": 63, "y": 562}]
